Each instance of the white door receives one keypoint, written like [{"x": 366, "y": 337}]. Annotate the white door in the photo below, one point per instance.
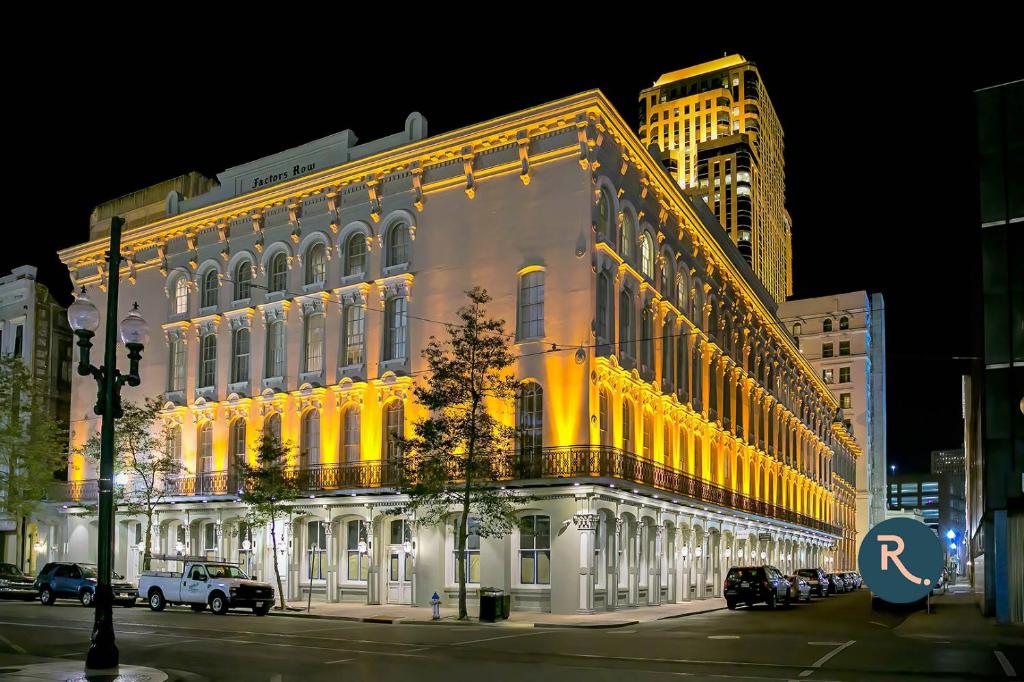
[{"x": 399, "y": 575}]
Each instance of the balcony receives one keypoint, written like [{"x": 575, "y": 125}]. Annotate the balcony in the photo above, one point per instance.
[{"x": 574, "y": 463}]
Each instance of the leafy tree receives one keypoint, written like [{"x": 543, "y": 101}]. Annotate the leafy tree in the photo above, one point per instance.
[
  {"x": 33, "y": 445},
  {"x": 267, "y": 486},
  {"x": 458, "y": 451},
  {"x": 144, "y": 461}
]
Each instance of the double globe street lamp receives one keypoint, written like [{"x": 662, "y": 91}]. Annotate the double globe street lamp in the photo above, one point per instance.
[{"x": 84, "y": 319}]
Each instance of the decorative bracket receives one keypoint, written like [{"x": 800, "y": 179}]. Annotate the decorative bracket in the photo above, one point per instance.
[
  {"x": 295, "y": 218},
  {"x": 523, "y": 142},
  {"x": 581, "y": 137},
  {"x": 467, "y": 168},
  {"x": 417, "y": 185},
  {"x": 374, "y": 190}
]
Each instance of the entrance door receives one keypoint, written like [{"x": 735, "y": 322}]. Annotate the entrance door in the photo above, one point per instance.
[{"x": 399, "y": 576}]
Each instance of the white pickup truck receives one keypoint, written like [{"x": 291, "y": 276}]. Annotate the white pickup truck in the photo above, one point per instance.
[{"x": 221, "y": 586}]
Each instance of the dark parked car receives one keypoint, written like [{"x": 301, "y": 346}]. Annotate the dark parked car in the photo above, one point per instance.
[
  {"x": 837, "y": 583},
  {"x": 755, "y": 584},
  {"x": 799, "y": 589},
  {"x": 14, "y": 584},
  {"x": 78, "y": 581},
  {"x": 853, "y": 581},
  {"x": 817, "y": 580}
]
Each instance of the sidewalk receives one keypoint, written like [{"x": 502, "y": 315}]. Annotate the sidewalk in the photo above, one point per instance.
[
  {"x": 956, "y": 616},
  {"x": 420, "y": 615}
]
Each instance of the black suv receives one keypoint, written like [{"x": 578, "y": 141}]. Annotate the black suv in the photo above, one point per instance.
[
  {"x": 753, "y": 584},
  {"x": 817, "y": 579},
  {"x": 78, "y": 581}
]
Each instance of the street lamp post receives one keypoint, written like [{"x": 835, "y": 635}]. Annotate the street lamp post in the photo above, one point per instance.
[{"x": 84, "y": 320}]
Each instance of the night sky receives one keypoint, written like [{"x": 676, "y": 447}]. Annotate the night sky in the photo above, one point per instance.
[{"x": 879, "y": 148}]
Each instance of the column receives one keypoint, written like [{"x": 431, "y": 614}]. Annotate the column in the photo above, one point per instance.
[
  {"x": 292, "y": 557},
  {"x": 332, "y": 561},
  {"x": 654, "y": 565},
  {"x": 683, "y": 565},
  {"x": 373, "y": 579},
  {"x": 587, "y": 525},
  {"x": 633, "y": 543},
  {"x": 671, "y": 555},
  {"x": 614, "y": 559}
]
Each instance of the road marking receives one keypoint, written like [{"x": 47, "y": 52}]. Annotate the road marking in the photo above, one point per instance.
[
  {"x": 1007, "y": 667},
  {"x": 825, "y": 643},
  {"x": 176, "y": 640},
  {"x": 620, "y": 632},
  {"x": 875, "y": 622},
  {"x": 491, "y": 639},
  {"x": 12, "y": 645},
  {"x": 825, "y": 659},
  {"x": 678, "y": 660},
  {"x": 340, "y": 660},
  {"x": 723, "y": 636}
]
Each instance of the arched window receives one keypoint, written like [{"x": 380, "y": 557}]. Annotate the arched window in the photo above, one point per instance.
[
  {"x": 398, "y": 245},
  {"x": 669, "y": 447},
  {"x": 204, "y": 461},
  {"x": 604, "y": 301},
  {"x": 240, "y": 355},
  {"x": 531, "y": 305},
  {"x": 646, "y": 256},
  {"x": 176, "y": 370},
  {"x": 313, "y": 357},
  {"x": 797, "y": 328},
  {"x": 697, "y": 305},
  {"x": 667, "y": 342},
  {"x": 211, "y": 285},
  {"x": 646, "y": 339},
  {"x": 236, "y": 443},
  {"x": 844, "y": 323},
  {"x": 180, "y": 298},
  {"x": 243, "y": 281},
  {"x": 604, "y": 215},
  {"x": 351, "y": 434},
  {"x": 648, "y": 435},
  {"x": 355, "y": 254},
  {"x": 174, "y": 444},
  {"x": 272, "y": 427},
  {"x": 682, "y": 359},
  {"x": 394, "y": 429},
  {"x": 628, "y": 428},
  {"x": 668, "y": 280},
  {"x": 395, "y": 330},
  {"x": 626, "y": 335},
  {"x": 627, "y": 237},
  {"x": 826, "y": 325},
  {"x": 275, "y": 349},
  {"x": 354, "y": 320},
  {"x": 278, "y": 275},
  {"x": 682, "y": 292},
  {"x": 535, "y": 550},
  {"x": 604, "y": 418},
  {"x": 310, "y": 452},
  {"x": 208, "y": 361},
  {"x": 530, "y": 418},
  {"x": 316, "y": 264}
]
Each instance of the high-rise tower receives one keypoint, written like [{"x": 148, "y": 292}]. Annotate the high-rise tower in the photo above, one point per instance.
[{"x": 720, "y": 138}]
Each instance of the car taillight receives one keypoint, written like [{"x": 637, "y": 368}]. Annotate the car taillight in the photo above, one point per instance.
[{"x": 725, "y": 585}]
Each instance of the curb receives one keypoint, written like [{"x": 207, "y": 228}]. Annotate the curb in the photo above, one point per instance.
[{"x": 693, "y": 613}]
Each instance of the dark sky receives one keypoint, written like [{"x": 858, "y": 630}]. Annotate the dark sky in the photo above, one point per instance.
[{"x": 878, "y": 123}]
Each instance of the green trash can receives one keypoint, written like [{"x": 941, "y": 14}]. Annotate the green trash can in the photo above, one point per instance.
[{"x": 494, "y": 604}]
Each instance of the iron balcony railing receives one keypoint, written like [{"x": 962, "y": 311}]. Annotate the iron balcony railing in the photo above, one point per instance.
[{"x": 531, "y": 467}]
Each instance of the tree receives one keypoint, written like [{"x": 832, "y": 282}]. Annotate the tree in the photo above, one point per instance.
[
  {"x": 458, "y": 451},
  {"x": 267, "y": 486},
  {"x": 33, "y": 445},
  {"x": 144, "y": 462}
]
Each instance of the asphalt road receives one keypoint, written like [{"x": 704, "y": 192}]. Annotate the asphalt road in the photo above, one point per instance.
[{"x": 839, "y": 638}]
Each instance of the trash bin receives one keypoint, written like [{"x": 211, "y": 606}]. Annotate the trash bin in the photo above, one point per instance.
[{"x": 494, "y": 604}]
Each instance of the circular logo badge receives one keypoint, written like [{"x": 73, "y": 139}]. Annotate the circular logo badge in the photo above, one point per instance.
[{"x": 901, "y": 560}]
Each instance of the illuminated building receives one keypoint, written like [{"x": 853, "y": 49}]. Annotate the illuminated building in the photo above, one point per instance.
[
  {"x": 843, "y": 337},
  {"x": 33, "y": 327},
  {"x": 674, "y": 427},
  {"x": 721, "y": 139}
]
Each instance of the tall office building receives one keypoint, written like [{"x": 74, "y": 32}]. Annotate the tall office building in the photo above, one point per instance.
[
  {"x": 948, "y": 467},
  {"x": 993, "y": 396},
  {"x": 720, "y": 138},
  {"x": 843, "y": 337}
]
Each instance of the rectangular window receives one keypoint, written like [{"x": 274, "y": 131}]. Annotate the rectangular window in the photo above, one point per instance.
[
  {"x": 355, "y": 320},
  {"x": 535, "y": 550},
  {"x": 208, "y": 361},
  {"x": 827, "y": 376},
  {"x": 177, "y": 373},
  {"x": 845, "y": 401},
  {"x": 275, "y": 349},
  {"x": 472, "y": 552},
  {"x": 19, "y": 339},
  {"x": 844, "y": 347},
  {"x": 531, "y": 305},
  {"x": 314, "y": 355},
  {"x": 844, "y": 375},
  {"x": 826, "y": 350},
  {"x": 316, "y": 548},
  {"x": 396, "y": 321},
  {"x": 240, "y": 357},
  {"x": 358, "y": 561}
]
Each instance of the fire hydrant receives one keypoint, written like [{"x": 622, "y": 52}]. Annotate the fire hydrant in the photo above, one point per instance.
[{"x": 435, "y": 601}]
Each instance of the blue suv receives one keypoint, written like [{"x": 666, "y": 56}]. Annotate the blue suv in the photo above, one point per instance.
[{"x": 65, "y": 579}]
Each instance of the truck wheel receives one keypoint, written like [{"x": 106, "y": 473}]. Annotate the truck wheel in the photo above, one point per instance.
[
  {"x": 46, "y": 597},
  {"x": 198, "y": 608},
  {"x": 86, "y": 598},
  {"x": 218, "y": 604},
  {"x": 157, "y": 601},
  {"x": 261, "y": 610}
]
